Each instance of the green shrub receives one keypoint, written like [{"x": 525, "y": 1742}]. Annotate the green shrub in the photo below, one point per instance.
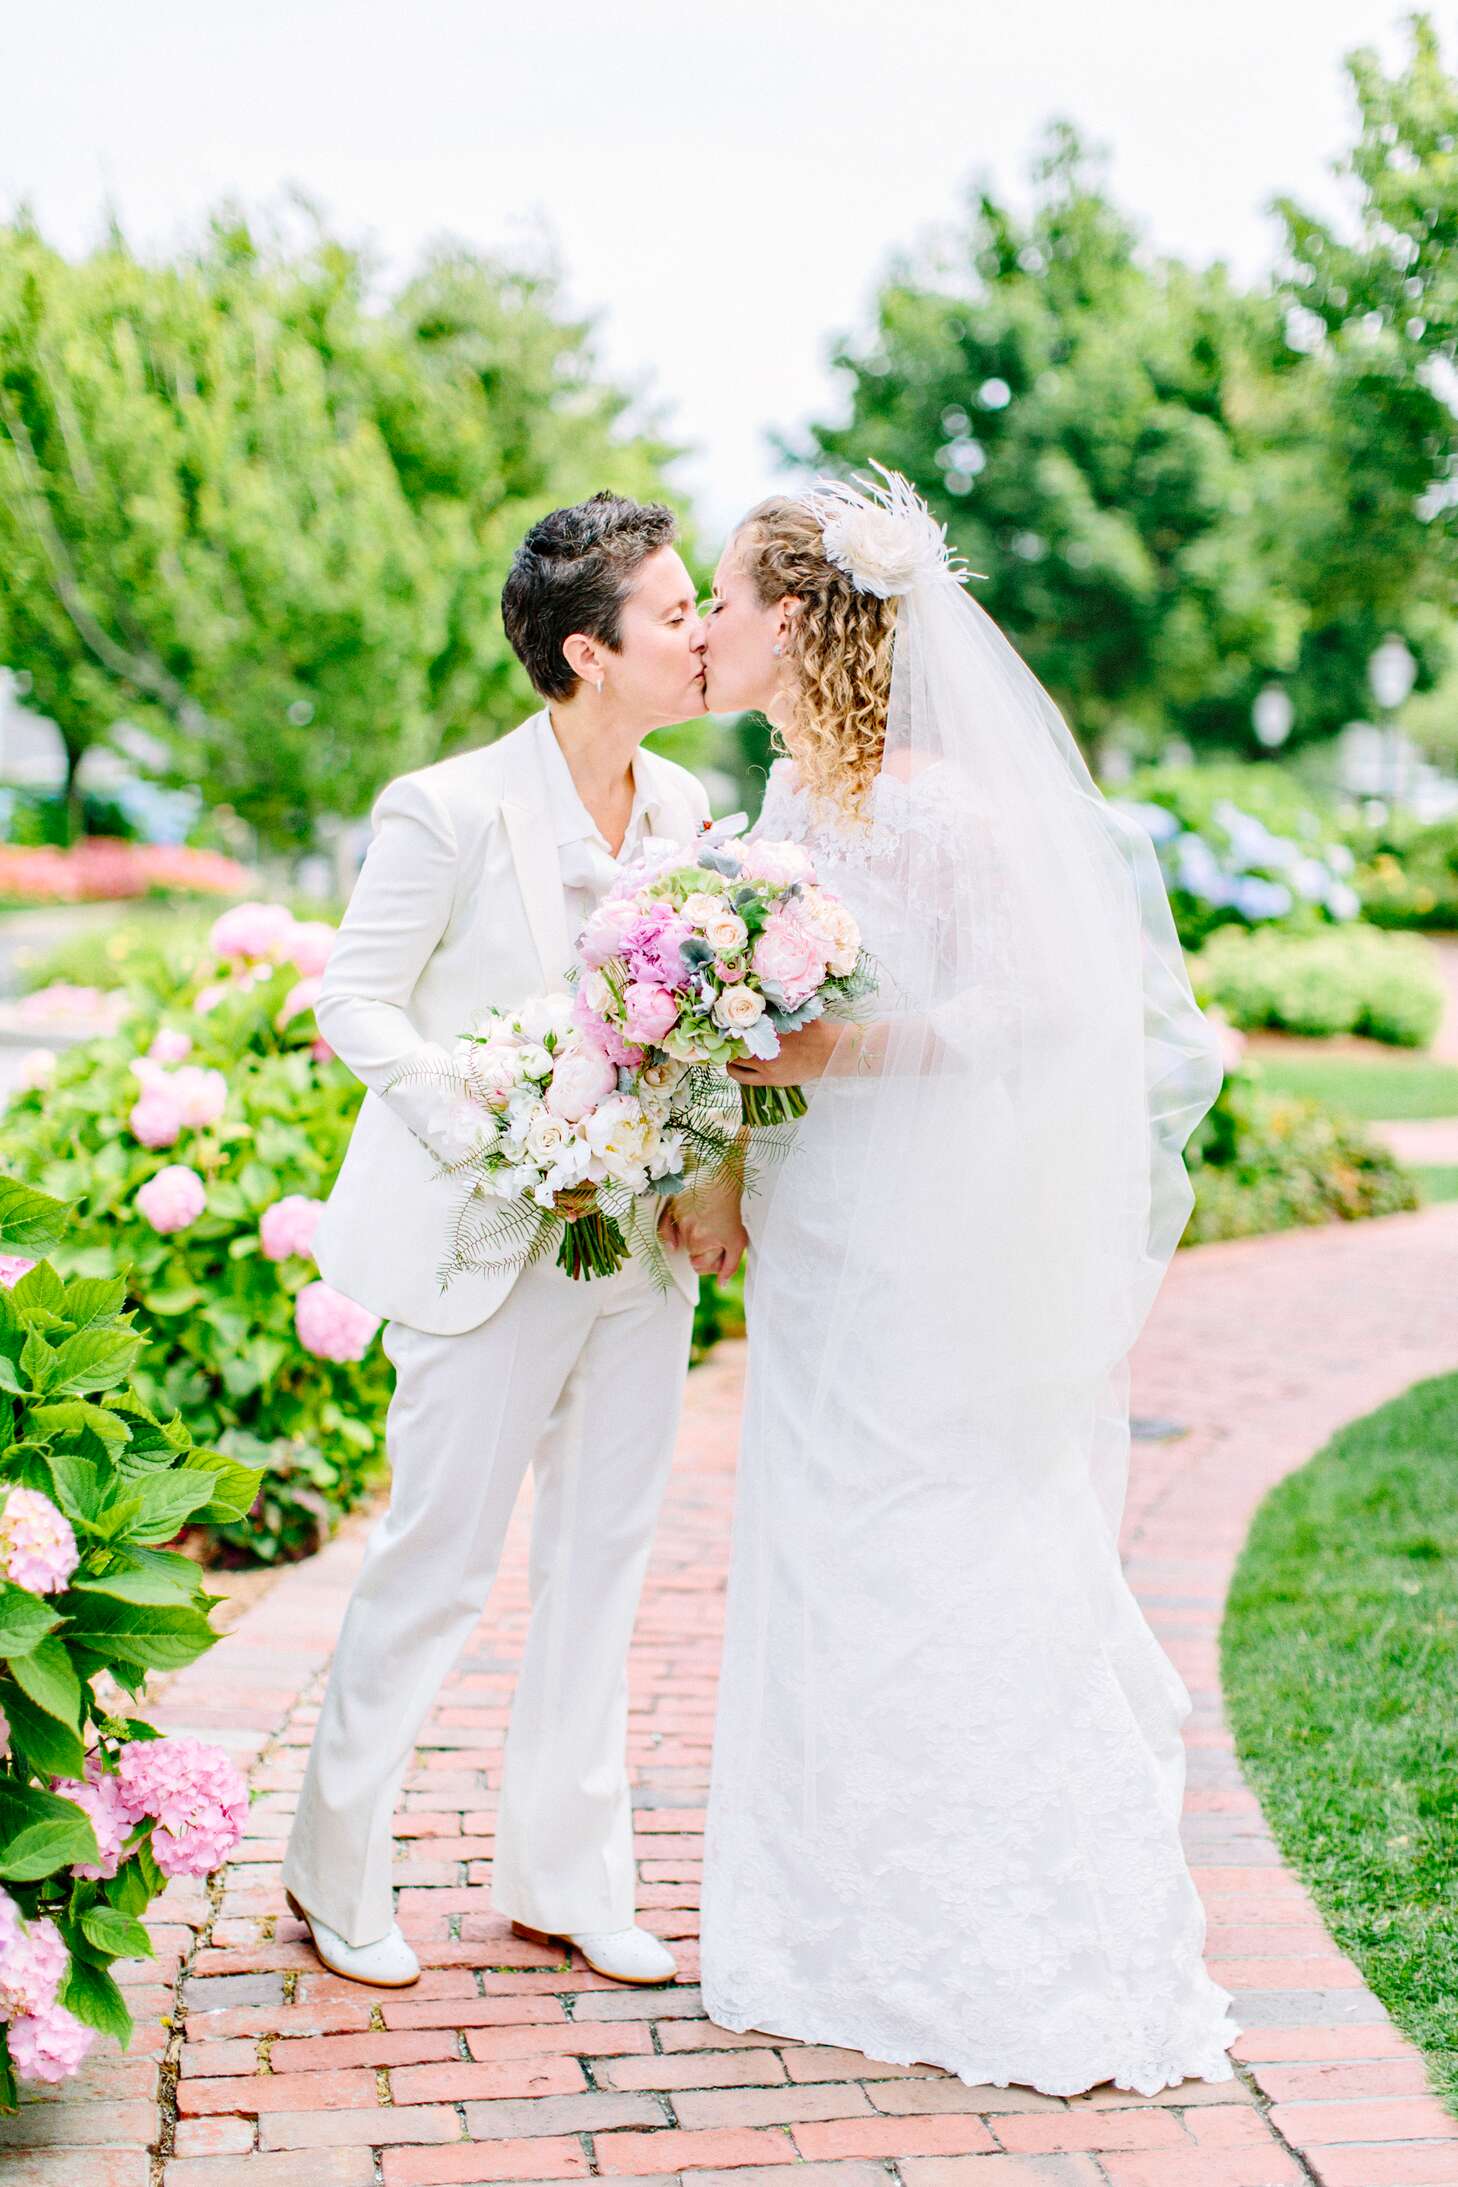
[
  {"x": 1344, "y": 980},
  {"x": 93, "y": 1484},
  {"x": 1407, "y": 872},
  {"x": 1265, "y": 1161}
]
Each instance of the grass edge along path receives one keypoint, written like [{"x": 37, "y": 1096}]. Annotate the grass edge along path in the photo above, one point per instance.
[{"x": 1339, "y": 1661}]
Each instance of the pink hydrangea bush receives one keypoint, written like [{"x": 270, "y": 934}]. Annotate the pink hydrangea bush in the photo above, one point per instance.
[
  {"x": 195, "y": 1797},
  {"x": 287, "y": 1229},
  {"x": 173, "y": 1199},
  {"x": 46, "y": 2042},
  {"x": 100, "y": 1797},
  {"x": 37, "y": 1545},
  {"x": 332, "y": 1326}
]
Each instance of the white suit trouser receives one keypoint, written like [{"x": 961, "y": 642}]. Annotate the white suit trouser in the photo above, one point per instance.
[{"x": 584, "y": 1382}]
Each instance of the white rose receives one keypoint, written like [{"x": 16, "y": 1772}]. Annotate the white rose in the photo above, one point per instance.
[
  {"x": 495, "y": 1069},
  {"x": 701, "y": 907},
  {"x": 662, "y": 1077},
  {"x": 597, "y": 994},
  {"x": 725, "y": 932},
  {"x": 547, "y": 1136},
  {"x": 736, "y": 1008},
  {"x": 534, "y": 1061}
]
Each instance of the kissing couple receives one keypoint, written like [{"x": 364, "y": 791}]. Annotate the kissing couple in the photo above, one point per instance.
[{"x": 943, "y": 1823}]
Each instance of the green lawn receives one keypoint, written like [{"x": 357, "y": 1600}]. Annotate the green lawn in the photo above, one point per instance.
[
  {"x": 1340, "y": 1668},
  {"x": 1386, "y": 1087}
]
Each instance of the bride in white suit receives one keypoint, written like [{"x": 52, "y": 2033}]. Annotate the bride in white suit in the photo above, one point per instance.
[{"x": 480, "y": 871}]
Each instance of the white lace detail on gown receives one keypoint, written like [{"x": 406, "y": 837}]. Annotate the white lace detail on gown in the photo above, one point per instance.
[{"x": 944, "y": 1822}]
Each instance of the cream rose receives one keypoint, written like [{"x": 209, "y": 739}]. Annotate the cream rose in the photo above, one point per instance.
[
  {"x": 737, "y": 1008},
  {"x": 726, "y": 933}
]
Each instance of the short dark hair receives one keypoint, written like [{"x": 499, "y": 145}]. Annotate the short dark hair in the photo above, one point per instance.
[{"x": 573, "y": 571}]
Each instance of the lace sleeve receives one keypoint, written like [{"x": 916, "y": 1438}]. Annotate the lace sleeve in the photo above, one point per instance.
[{"x": 781, "y": 814}]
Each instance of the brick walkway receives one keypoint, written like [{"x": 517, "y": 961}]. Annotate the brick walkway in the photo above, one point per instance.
[{"x": 502, "y": 2066}]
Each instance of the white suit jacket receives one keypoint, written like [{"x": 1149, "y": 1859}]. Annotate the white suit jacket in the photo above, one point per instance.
[{"x": 459, "y": 904}]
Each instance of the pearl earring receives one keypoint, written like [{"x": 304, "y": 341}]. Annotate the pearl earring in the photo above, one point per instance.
[
  {"x": 778, "y": 650},
  {"x": 599, "y": 684}
]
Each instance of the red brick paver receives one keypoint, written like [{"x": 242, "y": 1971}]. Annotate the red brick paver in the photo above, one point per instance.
[{"x": 252, "y": 2066}]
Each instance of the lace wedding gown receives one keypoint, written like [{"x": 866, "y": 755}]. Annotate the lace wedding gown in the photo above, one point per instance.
[{"x": 944, "y": 1822}]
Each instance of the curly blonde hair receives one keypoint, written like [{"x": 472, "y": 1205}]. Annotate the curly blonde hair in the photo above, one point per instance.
[{"x": 838, "y": 649}]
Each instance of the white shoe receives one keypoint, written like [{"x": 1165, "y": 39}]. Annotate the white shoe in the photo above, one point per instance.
[
  {"x": 623, "y": 1955},
  {"x": 387, "y": 1964}
]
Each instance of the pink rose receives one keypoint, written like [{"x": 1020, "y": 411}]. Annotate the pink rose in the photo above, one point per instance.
[
  {"x": 650, "y": 1012},
  {"x": 310, "y": 944},
  {"x": 301, "y": 996},
  {"x": 12, "y": 1267},
  {"x": 287, "y": 1229},
  {"x": 790, "y": 959},
  {"x": 170, "y": 1047},
  {"x": 580, "y": 1079},
  {"x": 156, "y": 1119},
  {"x": 201, "y": 1095},
  {"x": 251, "y": 931},
  {"x": 173, "y": 1199},
  {"x": 778, "y": 863},
  {"x": 331, "y": 1326}
]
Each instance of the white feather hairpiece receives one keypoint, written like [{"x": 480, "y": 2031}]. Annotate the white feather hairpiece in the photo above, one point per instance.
[{"x": 884, "y": 537}]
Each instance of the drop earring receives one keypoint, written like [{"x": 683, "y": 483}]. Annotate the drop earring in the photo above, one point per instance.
[{"x": 597, "y": 686}]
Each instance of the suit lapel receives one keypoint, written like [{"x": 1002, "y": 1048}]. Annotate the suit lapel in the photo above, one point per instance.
[{"x": 539, "y": 877}]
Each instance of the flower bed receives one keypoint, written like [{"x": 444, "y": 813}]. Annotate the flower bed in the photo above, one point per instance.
[
  {"x": 198, "y": 1144},
  {"x": 101, "y": 868},
  {"x": 1264, "y": 1161},
  {"x": 96, "y": 1811}
]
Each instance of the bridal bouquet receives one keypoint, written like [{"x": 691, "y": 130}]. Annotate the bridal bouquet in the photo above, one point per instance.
[
  {"x": 564, "y": 1143},
  {"x": 702, "y": 957}
]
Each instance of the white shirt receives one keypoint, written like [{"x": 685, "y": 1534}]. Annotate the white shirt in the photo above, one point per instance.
[{"x": 589, "y": 868}]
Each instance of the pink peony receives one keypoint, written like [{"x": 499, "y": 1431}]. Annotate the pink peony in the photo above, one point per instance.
[
  {"x": 196, "y": 1796},
  {"x": 49, "y": 2045},
  {"x": 172, "y": 1199},
  {"x": 156, "y": 1119},
  {"x": 331, "y": 1326},
  {"x": 602, "y": 937},
  {"x": 33, "y": 1959},
  {"x": 310, "y": 944},
  {"x": 652, "y": 946},
  {"x": 789, "y": 958},
  {"x": 37, "y": 1548},
  {"x": 251, "y": 931},
  {"x": 650, "y": 1012},
  {"x": 12, "y": 1267},
  {"x": 100, "y": 1795},
  {"x": 778, "y": 863},
  {"x": 603, "y": 1036},
  {"x": 288, "y": 1227},
  {"x": 37, "y": 1067},
  {"x": 169, "y": 1046},
  {"x": 200, "y": 1095},
  {"x": 580, "y": 1080},
  {"x": 301, "y": 996}
]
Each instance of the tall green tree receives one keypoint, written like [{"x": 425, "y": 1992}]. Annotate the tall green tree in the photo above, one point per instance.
[
  {"x": 241, "y": 508},
  {"x": 1376, "y": 300},
  {"x": 1144, "y": 459}
]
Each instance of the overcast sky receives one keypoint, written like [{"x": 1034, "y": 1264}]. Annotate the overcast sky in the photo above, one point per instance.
[{"x": 722, "y": 186}]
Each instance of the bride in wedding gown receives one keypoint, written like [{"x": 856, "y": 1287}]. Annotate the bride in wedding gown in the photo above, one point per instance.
[{"x": 944, "y": 1824}]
